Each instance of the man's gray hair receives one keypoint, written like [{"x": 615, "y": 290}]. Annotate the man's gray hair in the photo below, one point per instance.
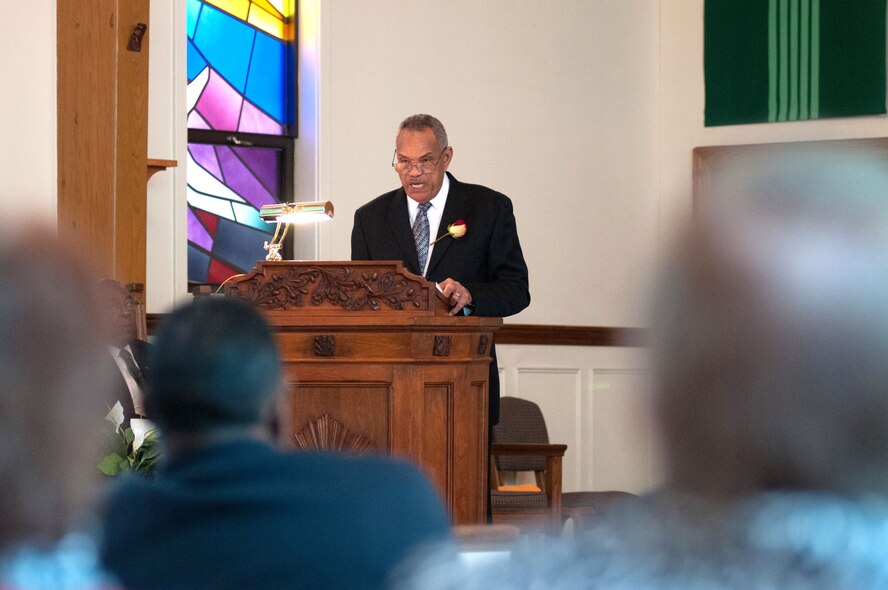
[{"x": 421, "y": 122}]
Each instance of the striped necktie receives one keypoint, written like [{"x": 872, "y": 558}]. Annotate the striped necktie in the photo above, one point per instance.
[
  {"x": 134, "y": 371},
  {"x": 421, "y": 235}
]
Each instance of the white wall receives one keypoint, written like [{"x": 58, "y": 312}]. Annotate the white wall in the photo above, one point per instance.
[
  {"x": 554, "y": 104},
  {"x": 682, "y": 105},
  {"x": 167, "y": 140},
  {"x": 28, "y": 103}
]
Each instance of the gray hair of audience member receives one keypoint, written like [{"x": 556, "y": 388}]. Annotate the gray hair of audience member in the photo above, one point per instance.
[
  {"x": 771, "y": 333},
  {"x": 214, "y": 367},
  {"x": 420, "y": 122},
  {"x": 54, "y": 392}
]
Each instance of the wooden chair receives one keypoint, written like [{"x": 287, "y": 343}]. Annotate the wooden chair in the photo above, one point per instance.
[
  {"x": 137, "y": 293},
  {"x": 521, "y": 443}
]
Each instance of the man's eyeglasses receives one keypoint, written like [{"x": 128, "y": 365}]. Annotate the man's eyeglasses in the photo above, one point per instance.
[{"x": 425, "y": 165}]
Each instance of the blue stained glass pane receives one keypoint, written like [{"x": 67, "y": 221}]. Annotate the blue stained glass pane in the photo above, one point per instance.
[
  {"x": 265, "y": 86},
  {"x": 220, "y": 207},
  {"x": 250, "y": 216},
  {"x": 193, "y": 11},
  {"x": 196, "y": 63},
  {"x": 227, "y": 43},
  {"x": 198, "y": 265},
  {"x": 239, "y": 244}
]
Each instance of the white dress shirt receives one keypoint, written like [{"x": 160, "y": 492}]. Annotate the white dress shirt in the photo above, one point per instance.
[
  {"x": 135, "y": 391},
  {"x": 434, "y": 213}
]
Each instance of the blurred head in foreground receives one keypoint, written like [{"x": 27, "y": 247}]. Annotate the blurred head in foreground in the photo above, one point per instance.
[
  {"x": 215, "y": 372},
  {"x": 53, "y": 393},
  {"x": 772, "y": 333}
]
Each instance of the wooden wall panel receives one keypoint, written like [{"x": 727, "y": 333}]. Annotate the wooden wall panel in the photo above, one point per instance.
[
  {"x": 131, "y": 211},
  {"x": 87, "y": 123},
  {"x": 363, "y": 408},
  {"x": 102, "y": 134}
]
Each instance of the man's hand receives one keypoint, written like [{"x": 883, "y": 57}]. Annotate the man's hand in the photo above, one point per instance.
[{"x": 458, "y": 294}]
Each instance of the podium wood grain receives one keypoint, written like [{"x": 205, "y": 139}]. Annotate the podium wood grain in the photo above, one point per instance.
[{"x": 372, "y": 355}]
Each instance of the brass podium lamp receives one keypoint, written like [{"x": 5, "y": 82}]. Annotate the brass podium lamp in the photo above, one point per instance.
[{"x": 289, "y": 213}]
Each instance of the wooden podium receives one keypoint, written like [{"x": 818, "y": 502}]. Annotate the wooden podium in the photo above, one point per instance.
[{"x": 374, "y": 363}]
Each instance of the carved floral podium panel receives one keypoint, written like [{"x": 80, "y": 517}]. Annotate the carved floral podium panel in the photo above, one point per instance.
[{"x": 374, "y": 363}]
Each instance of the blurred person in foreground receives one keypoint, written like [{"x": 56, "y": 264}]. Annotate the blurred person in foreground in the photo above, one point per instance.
[
  {"x": 771, "y": 373},
  {"x": 53, "y": 398},
  {"x": 129, "y": 354},
  {"x": 228, "y": 510}
]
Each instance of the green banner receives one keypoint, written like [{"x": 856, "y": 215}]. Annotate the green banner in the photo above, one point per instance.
[{"x": 790, "y": 60}]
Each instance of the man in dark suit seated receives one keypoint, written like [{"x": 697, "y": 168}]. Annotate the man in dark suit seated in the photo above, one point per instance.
[
  {"x": 227, "y": 509},
  {"x": 128, "y": 353}
]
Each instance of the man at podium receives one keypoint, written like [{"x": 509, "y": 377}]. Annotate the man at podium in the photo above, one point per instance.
[{"x": 462, "y": 236}]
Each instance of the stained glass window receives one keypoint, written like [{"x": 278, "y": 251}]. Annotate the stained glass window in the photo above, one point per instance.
[{"x": 240, "y": 120}]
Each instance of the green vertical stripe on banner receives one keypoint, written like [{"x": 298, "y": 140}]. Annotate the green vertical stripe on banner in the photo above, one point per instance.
[
  {"x": 815, "y": 59},
  {"x": 793, "y": 113},
  {"x": 783, "y": 44},
  {"x": 779, "y": 60},
  {"x": 804, "y": 59},
  {"x": 772, "y": 60}
]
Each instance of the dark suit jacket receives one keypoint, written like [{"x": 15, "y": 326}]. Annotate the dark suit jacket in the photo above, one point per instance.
[
  {"x": 243, "y": 515},
  {"x": 140, "y": 350},
  {"x": 487, "y": 260}
]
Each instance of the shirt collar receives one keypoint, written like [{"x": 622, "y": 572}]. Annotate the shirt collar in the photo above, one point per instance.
[
  {"x": 438, "y": 201},
  {"x": 115, "y": 351}
]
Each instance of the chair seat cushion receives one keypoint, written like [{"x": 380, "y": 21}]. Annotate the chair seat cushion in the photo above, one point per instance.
[{"x": 524, "y": 487}]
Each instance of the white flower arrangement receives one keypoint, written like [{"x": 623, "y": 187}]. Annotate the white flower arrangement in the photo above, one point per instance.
[{"x": 136, "y": 448}]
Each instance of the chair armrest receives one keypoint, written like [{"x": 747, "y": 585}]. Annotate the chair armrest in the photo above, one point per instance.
[
  {"x": 552, "y": 479},
  {"x": 535, "y": 449}
]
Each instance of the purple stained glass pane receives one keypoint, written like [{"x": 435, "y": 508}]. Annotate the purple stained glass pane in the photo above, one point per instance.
[
  {"x": 205, "y": 155},
  {"x": 195, "y": 121},
  {"x": 265, "y": 163},
  {"x": 255, "y": 121},
  {"x": 239, "y": 179},
  {"x": 197, "y": 233},
  {"x": 220, "y": 104}
]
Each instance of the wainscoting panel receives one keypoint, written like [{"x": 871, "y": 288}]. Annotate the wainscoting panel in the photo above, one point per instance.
[
  {"x": 558, "y": 393},
  {"x": 621, "y": 440},
  {"x": 597, "y": 401}
]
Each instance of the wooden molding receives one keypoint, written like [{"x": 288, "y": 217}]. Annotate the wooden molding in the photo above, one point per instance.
[
  {"x": 537, "y": 334},
  {"x": 353, "y": 286},
  {"x": 549, "y": 335},
  {"x": 155, "y": 166}
]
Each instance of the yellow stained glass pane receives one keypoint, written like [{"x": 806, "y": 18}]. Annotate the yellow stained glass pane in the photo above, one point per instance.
[
  {"x": 238, "y": 8},
  {"x": 285, "y": 7},
  {"x": 264, "y": 21},
  {"x": 269, "y": 7}
]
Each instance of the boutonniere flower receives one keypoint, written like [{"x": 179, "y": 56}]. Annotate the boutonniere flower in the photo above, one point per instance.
[{"x": 455, "y": 230}]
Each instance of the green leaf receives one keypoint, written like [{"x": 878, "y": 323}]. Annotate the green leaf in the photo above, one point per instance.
[{"x": 112, "y": 465}]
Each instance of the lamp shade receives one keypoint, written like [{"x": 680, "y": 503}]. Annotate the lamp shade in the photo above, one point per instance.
[{"x": 304, "y": 212}]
